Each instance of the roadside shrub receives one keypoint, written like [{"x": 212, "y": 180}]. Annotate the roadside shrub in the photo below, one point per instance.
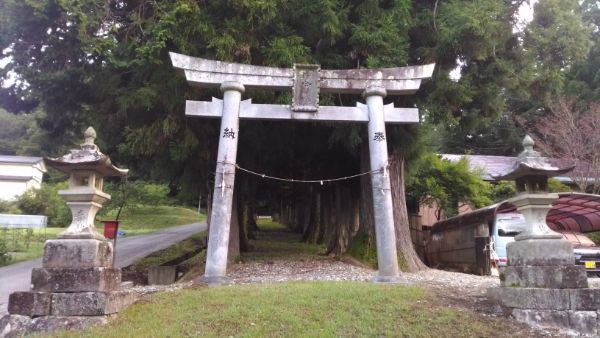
[
  {"x": 45, "y": 201},
  {"x": 153, "y": 194},
  {"x": 9, "y": 207},
  {"x": 554, "y": 185},
  {"x": 135, "y": 193},
  {"x": 4, "y": 256},
  {"x": 503, "y": 190},
  {"x": 595, "y": 236}
]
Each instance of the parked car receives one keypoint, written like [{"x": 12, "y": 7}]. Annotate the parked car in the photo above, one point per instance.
[
  {"x": 508, "y": 225},
  {"x": 587, "y": 253}
]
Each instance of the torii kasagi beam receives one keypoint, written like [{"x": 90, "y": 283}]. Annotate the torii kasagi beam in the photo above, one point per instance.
[{"x": 305, "y": 81}]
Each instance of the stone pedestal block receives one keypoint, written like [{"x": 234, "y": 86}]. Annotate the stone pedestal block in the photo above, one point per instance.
[
  {"x": 542, "y": 252},
  {"x": 542, "y": 318},
  {"x": 553, "y": 277},
  {"x": 90, "y": 303},
  {"x": 51, "y": 323},
  {"x": 19, "y": 326},
  {"x": 14, "y": 326},
  {"x": 585, "y": 299},
  {"x": 77, "y": 253},
  {"x": 75, "y": 280},
  {"x": 584, "y": 322},
  {"x": 531, "y": 298},
  {"x": 32, "y": 304}
]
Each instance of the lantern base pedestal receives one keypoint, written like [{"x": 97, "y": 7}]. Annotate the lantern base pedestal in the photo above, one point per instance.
[
  {"x": 542, "y": 287},
  {"x": 85, "y": 234},
  {"x": 77, "y": 253},
  {"x": 76, "y": 282}
]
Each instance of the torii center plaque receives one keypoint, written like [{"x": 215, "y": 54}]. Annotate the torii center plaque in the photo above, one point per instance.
[{"x": 306, "y": 81}]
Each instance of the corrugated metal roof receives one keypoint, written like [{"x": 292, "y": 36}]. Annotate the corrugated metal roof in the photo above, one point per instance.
[
  {"x": 575, "y": 212},
  {"x": 571, "y": 212},
  {"x": 19, "y": 159}
]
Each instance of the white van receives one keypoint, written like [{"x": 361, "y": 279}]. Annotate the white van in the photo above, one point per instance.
[
  {"x": 505, "y": 228},
  {"x": 508, "y": 225}
]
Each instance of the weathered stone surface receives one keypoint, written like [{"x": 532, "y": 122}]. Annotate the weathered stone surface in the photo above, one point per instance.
[
  {"x": 540, "y": 252},
  {"x": 91, "y": 303},
  {"x": 14, "y": 326},
  {"x": 75, "y": 280},
  {"x": 77, "y": 253},
  {"x": 553, "y": 277},
  {"x": 29, "y": 303},
  {"x": 18, "y": 326},
  {"x": 584, "y": 322},
  {"x": 585, "y": 299},
  {"x": 52, "y": 323},
  {"x": 531, "y": 298},
  {"x": 542, "y": 318}
]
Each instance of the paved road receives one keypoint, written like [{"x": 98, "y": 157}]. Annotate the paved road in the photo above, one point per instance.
[{"x": 17, "y": 277}]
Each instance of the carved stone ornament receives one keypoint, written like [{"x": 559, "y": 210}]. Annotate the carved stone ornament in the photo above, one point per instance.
[{"x": 306, "y": 88}]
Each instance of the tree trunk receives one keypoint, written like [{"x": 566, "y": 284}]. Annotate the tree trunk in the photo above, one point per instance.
[
  {"x": 367, "y": 216},
  {"x": 243, "y": 225},
  {"x": 312, "y": 232},
  {"x": 408, "y": 258},
  {"x": 234, "y": 233},
  {"x": 345, "y": 208}
]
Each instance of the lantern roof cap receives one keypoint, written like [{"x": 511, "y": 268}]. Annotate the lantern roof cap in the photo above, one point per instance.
[
  {"x": 87, "y": 157},
  {"x": 531, "y": 163}
]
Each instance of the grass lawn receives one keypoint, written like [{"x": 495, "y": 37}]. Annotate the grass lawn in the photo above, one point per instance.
[
  {"x": 133, "y": 221},
  {"x": 275, "y": 241},
  {"x": 143, "y": 219},
  {"x": 300, "y": 309},
  {"x": 295, "y": 309},
  {"x": 23, "y": 246}
]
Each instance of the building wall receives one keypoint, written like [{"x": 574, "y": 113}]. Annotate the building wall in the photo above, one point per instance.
[
  {"x": 16, "y": 178},
  {"x": 10, "y": 190},
  {"x": 428, "y": 213}
]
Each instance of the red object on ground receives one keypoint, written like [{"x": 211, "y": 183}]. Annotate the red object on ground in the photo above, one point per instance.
[{"x": 110, "y": 229}]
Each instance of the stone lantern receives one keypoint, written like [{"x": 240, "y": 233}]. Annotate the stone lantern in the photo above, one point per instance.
[
  {"x": 530, "y": 173},
  {"x": 77, "y": 284},
  {"x": 87, "y": 168},
  {"x": 541, "y": 285}
]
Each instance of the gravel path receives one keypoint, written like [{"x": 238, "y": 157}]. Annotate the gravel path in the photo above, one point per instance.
[{"x": 323, "y": 268}]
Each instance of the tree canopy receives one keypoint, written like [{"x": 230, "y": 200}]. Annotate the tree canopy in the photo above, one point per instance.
[{"x": 106, "y": 63}]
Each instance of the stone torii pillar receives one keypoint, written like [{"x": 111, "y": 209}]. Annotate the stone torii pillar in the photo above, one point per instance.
[
  {"x": 385, "y": 233},
  {"x": 218, "y": 237},
  {"x": 305, "y": 81}
]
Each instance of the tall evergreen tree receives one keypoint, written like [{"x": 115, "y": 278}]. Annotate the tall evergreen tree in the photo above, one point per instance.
[{"x": 106, "y": 63}]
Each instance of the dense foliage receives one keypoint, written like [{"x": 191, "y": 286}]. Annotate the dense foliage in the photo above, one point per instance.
[
  {"x": 46, "y": 201},
  {"x": 446, "y": 185},
  {"x": 106, "y": 63}
]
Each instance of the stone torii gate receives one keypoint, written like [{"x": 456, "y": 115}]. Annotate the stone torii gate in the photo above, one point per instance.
[{"x": 306, "y": 81}]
